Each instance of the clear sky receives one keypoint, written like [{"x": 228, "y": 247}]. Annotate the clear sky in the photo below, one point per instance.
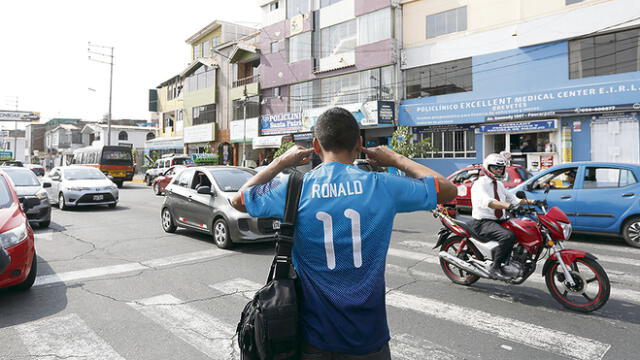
[{"x": 44, "y": 59}]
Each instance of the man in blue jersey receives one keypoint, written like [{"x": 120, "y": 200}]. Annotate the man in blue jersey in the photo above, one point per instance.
[{"x": 342, "y": 233}]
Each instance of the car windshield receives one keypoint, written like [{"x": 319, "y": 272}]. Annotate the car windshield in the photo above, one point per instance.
[
  {"x": 83, "y": 174},
  {"x": 116, "y": 156},
  {"x": 231, "y": 179},
  {"x": 182, "y": 161},
  {"x": 5, "y": 195},
  {"x": 22, "y": 178}
]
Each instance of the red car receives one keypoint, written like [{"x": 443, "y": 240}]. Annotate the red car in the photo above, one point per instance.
[
  {"x": 161, "y": 181},
  {"x": 464, "y": 178},
  {"x": 16, "y": 237}
]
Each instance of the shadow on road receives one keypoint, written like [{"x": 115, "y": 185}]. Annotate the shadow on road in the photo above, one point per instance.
[{"x": 261, "y": 248}]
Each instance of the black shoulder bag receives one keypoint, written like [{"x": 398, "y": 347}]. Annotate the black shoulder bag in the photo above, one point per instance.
[{"x": 268, "y": 328}]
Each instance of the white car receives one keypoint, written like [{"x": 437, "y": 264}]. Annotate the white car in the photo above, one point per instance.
[{"x": 80, "y": 186}]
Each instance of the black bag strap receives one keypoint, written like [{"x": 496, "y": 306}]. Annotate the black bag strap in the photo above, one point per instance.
[{"x": 284, "y": 237}]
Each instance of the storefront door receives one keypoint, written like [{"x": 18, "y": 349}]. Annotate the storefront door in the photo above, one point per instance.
[{"x": 615, "y": 139}]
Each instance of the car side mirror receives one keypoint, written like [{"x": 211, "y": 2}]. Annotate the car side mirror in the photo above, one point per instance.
[
  {"x": 206, "y": 190},
  {"x": 46, "y": 184},
  {"x": 521, "y": 195},
  {"x": 29, "y": 203},
  {"x": 546, "y": 188}
]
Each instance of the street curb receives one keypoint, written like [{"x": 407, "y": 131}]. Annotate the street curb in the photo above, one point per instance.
[{"x": 141, "y": 181}]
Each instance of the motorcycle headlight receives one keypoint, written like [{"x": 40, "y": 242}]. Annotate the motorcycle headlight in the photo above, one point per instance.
[
  {"x": 14, "y": 236},
  {"x": 566, "y": 230},
  {"x": 42, "y": 194}
]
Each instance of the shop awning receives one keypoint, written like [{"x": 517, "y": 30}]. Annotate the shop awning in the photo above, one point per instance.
[{"x": 267, "y": 142}]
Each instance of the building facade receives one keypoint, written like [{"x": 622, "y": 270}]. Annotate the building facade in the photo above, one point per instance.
[
  {"x": 318, "y": 54},
  {"x": 549, "y": 81}
]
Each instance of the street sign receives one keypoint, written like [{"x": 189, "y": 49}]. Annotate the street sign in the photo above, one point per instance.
[{"x": 6, "y": 155}]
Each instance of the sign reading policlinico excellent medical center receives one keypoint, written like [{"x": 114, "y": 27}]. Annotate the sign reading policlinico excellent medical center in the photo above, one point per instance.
[{"x": 8, "y": 115}]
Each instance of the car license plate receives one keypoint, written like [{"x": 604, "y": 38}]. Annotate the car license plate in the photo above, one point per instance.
[
  {"x": 117, "y": 173},
  {"x": 98, "y": 197}
]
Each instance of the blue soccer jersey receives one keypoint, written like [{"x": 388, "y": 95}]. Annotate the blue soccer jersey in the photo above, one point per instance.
[{"x": 342, "y": 234}]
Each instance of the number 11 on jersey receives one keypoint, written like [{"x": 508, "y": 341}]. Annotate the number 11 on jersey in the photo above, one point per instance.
[{"x": 327, "y": 224}]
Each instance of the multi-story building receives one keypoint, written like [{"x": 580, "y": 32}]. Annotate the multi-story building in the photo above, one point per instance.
[
  {"x": 207, "y": 113},
  {"x": 549, "y": 81},
  {"x": 166, "y": 104},
  {"x": 34, "y": 142},
  {"x": 320, "y": 54},
  {"x": 61, "y": 141}
]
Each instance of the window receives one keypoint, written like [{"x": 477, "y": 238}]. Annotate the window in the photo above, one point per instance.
[
  {"x": 253, "y": 108},
  {"x": 338, "y": 38},
  {"x": 295, "y": 7},
  {"x": 202, "y": 78},
  {"x": 215, "y": 42},
  {"x": 122, "y": 135},
  {"x": 204, "y": 114},
  {"x": 276, "y": 91},
  {"x": 338, "y": 90},
  {"x": 447, "y": 22},
  {"x": 274, "y": 47},
  {"x": 151, "y": 136},
  {"x": 324, "y": 3},
  {"x": 197, "y": 51},
  {"x": 447, "y": 144},
  {"x": 561, "y": 179},
  {"x": 376, "y": 84},
  {"x": 439, "y": 79},
  {"x": 595, "y": 178},
  {"x": 206, "y": 49},
  {"x": 274, "y": 6},
  {"x": 301, "y": 96},
  {"x": 374, "y": 26},
  {"x": 300, "y": 47},
  {"x": 569, "y": 2},
  {"x": 200, "y": 179},
  {"x": 184, "y": 178},
  {"x": 607, "y": 54}
]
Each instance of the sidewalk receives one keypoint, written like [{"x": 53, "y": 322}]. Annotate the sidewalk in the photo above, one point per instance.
[{"x": 138, "y": 178}]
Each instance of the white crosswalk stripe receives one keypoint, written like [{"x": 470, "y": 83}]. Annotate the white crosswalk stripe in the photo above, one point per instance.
[
  {"x": 204, "y": 332},
  {"x": 403, "y": 346},
  {"x": 64, "y": 337},
  {"x": 524, "y": 333}
]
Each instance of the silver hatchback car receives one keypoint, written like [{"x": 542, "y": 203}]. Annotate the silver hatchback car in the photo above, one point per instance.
[{"x": 80, "y": 186}]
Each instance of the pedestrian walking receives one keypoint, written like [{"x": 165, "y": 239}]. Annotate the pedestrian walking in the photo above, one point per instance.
[{"x": 342, "y": 233}]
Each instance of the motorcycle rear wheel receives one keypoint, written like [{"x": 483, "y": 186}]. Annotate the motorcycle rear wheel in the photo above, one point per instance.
[
  {"x": 455, "y": 274},
  {"x": 583, "y": 297}
]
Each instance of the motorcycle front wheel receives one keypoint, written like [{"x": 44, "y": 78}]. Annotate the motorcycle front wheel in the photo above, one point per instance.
[
  {"x": 454, "y": 246},
  {"x": 591, "y": 289}
]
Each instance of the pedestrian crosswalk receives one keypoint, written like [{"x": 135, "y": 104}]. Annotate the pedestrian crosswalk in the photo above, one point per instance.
[{"x": 209, "y": 333}]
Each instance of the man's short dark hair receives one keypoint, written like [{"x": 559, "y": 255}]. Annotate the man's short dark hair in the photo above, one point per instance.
[{"x": 337, "y": 130}]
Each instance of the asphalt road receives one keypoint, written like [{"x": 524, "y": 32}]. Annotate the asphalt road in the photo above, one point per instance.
[{"x": 113, "y": 285}]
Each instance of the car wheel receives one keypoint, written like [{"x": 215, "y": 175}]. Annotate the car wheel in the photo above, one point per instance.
[
  {"x": 221, "y": 235},
  {"x": 167, "y": 221},
  {"x": 112, "y": 206},
  {"x": 44, "y": 224},
  {"x": 28, "y": 282},
  {"x": 61, "y": 204},
  {"x": 631, "y": 231},
  {"x": 156, "y": 189}
]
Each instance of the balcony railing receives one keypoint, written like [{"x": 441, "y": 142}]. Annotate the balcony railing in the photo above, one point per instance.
[{"x": 246, "y": 81}]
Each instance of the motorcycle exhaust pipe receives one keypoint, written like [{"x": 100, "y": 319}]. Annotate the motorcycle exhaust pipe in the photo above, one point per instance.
[{"x": 450, "y": 259}]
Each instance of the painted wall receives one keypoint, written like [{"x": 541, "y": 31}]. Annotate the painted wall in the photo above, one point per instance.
[{"x": 197, "y": 98}]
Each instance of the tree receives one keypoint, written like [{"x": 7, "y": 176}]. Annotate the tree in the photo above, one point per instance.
[
  {"x": 401, "y": 143},
  {"x": 283, "y": 148}
]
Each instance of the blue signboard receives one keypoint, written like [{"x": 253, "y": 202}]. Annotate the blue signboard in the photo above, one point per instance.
[
  {"x": 467, "y": 109},
  {"x": 518, "y": 126},
  {"x": 279, "y": 124}
]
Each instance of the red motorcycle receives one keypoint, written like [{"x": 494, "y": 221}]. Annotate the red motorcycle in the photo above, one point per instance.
[{"x": 574, "y": 277}]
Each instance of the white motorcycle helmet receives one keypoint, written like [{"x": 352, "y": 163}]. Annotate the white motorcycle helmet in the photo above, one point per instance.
[{"x": 494, "y": 160}]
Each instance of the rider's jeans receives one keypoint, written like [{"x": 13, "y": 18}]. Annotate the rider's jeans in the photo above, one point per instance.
[
  {"x": 312, "y": 353},
  {"x": 491, "y": 229}
]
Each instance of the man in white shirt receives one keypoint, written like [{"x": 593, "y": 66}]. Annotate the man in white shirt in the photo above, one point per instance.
[{"x": 490, "y": 200}]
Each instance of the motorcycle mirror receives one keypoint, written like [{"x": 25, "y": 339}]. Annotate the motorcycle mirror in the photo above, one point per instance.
[{"x": 521, "y": 195}]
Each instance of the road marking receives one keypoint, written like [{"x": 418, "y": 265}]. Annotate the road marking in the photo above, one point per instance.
[
  {"x": 402, "y": 346},
  {"x": 64, "y": 337},
  {"x": 535, "y": 336},
  {"x": 209, "y": 335},
  {"x": 69, "y": 276},
  {"x": 615, "y": 293}
]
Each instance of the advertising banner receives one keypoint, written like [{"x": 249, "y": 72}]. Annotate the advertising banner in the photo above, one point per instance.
[
  {"x": 518, "y": 126},
  {"x": 8, "y": 115}
]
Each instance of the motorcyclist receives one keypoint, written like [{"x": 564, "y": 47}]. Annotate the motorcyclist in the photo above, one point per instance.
[{"x": 490, "y": 200}]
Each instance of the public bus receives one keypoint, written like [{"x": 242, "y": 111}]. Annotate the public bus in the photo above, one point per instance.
[{"x": 112, "y": 160}]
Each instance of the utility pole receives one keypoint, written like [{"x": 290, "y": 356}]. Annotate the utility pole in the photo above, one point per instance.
[
  {"x": 110, "y": 63},
  {"x": 244, "y": 132}
]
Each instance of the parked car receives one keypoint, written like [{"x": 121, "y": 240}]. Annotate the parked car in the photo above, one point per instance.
[
  {"x": 163, "y": 164},
  {"x": 80, "y": 186},
  {"x": 16, "y": 237},
  {"x": 37, "y": 169},
  {"x": 465, "y": 177},
  {"x": 13, "y": 163},
  {"x": 598, "y": 197},
  {"x": 199, "y": 199},
  {"x": 160, "y": 182},
  {"x": 28, "y": 186}
]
